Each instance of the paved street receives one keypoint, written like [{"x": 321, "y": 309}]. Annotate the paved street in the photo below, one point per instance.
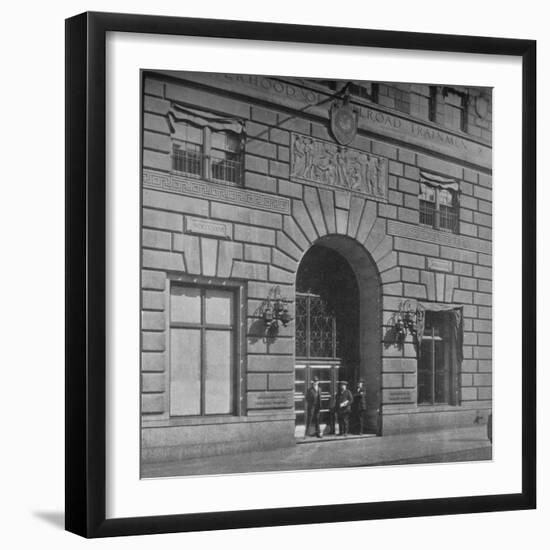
[{"x": 462, "y": 444}]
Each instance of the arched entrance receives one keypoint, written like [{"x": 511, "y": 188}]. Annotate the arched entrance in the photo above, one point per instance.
[{"x": 338, "y": 326}]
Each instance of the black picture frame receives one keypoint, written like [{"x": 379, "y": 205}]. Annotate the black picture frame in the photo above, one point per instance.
[{"x": 86, "y": 273}]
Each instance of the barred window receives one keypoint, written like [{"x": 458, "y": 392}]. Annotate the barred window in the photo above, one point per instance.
[
  {"x": 188, "y": 151},
  {"x": 203, "y": 148},
  {"x": 438, "y": 208},
  {"x": 226, "y": 157}
]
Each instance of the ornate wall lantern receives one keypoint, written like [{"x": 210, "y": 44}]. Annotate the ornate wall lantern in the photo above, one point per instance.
[
  {"x": 406, "y": 321},
  {"x": 276, "y": 311}
]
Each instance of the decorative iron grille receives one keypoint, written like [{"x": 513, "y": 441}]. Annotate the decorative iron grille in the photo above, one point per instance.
[
  {"x": 316, "y": 335},
  {"x": 427, "y": 213},
  {"x": 188, "y": 161},
  {"x": 227, "y": 169},
  {"x": 448, "y": 219},
  {"x": 191, "y": 161}
]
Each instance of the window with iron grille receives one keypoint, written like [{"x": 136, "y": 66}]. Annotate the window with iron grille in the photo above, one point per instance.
[
  {"x": 187, "y": 154},
  {"x": 438, "y": 208},
  {"x": 207, "y": 153}
]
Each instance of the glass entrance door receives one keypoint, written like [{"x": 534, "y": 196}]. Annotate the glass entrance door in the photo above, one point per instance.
[
  {"x": 327, "y": 373},
  {"x": 316, "y": 356}
]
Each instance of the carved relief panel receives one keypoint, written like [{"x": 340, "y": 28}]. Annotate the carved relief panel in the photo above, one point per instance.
[{"x": 328, "y": 164}]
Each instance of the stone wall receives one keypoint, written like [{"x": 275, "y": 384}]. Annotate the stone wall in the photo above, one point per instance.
[{"x": 259, "y": 233}]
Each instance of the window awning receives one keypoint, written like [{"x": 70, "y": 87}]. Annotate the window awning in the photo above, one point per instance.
[
  {"x": 179, "y": 113},
  {"x": 433, "y": 180},
  {"x": 456, "y": 323}
]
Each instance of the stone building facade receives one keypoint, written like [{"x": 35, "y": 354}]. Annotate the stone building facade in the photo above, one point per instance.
[{"x": 378, "y": 250}]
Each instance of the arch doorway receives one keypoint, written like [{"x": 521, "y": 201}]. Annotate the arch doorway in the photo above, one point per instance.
[{"x": 338, "y": 328}]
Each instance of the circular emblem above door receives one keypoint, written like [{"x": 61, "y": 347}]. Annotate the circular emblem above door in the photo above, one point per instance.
[{"x": 343, "y": 123}]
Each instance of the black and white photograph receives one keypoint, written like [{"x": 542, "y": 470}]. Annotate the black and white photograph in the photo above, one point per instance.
[
  {"x": 316, "y": 273},
  {"x": 274, "y": 275}
]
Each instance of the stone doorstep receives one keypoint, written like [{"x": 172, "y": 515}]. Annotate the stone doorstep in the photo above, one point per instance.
[{"x": 332, "y": 437}]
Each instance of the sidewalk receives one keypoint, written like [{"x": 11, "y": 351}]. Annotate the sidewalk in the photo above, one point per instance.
[{"x": 456, "y": 445}]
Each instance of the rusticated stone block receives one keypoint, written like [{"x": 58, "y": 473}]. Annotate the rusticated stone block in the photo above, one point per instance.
[
  {"x": 175, "y": 203},
  {"x": 152, "y": 300},
  {"x": 277, "y": 275},
  {"x": 155, "y": 105},
  {"x": 151, "y": 238},
  {"x": 152, "y": 382},
  {"x": 162, "y": 220},
  {"x": 153, "y": 87},
  {"x": 189, "y": 245},
  {"x": 157, "y": 259},
  {"x": 468, "y": 394},
  {"x": 153, "y": 280},
  {"x": 248, "y": 270},
  {"x": 227, "y": 252},
  {"x": 153, "y": 403},
  {"x": 153, "y": 320},
  {"x": 257, "y": 235},
  {"x": 282, "y": 260},
  {"x": 281, "y": 381},
  {"x": 156, "y": 160},
  {"x": 290, "y": 189},
  {"x": 156, "y": 123},
  {"x": 260, "y": 182},
  {"x": 257, "y": 253},
  {"x": 157, "y": 142},
  {"x": 270, "y": 363},
  {"x": 256, "y": 382},
  {"x": 256, "y": 164},
  {"x": 287, "y": 246},
  {"x": 327, "y": 206},
  {"x": 153, "y": 341},
  {"x": 209, "y": 250},
  {"x": 301, "y": 217},
  {"x": 153, "y": 362},
  {"x": 313, "y": 205}
]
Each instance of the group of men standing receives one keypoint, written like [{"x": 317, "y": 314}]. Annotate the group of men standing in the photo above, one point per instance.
[{"x": 343, "y": 406}]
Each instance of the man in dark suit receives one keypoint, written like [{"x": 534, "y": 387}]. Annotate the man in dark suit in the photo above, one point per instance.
[
  {"x": 343, "y": 402},
  {"x": 313, "y": 407},
  {"x": 359, "y": 406}
]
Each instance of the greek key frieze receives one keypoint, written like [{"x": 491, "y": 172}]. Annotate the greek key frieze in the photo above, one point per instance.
[
  {"x": 217, "y": 192},
  {"x": 328, "y": 164}
]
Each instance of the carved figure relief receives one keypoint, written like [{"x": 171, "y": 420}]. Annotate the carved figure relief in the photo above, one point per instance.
[{"x": 326, "y": 163}]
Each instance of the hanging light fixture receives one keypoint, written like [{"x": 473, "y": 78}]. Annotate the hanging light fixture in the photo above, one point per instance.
[
  {"x": 406, "y": 321},
  {"x": 276, "y": 311}
]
